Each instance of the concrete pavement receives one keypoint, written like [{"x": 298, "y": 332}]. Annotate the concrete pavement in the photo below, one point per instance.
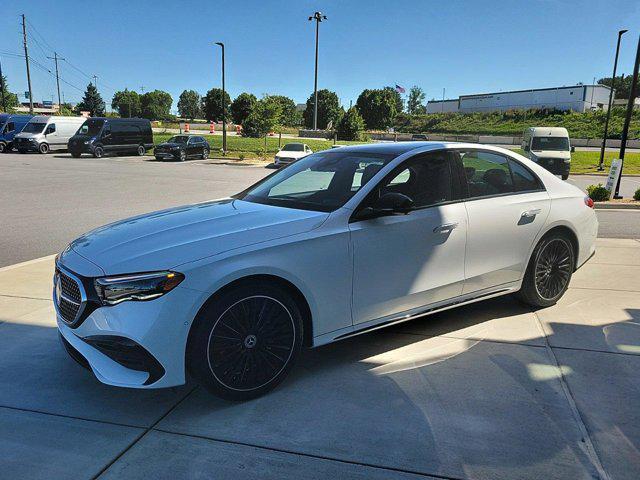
[{"x": 488, "y": 391}]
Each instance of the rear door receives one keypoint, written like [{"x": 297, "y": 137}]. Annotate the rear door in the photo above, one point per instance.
[{"x": 507, "y": 206}]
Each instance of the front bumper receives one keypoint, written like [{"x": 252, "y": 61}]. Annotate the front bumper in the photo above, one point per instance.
[
  {"x": 25, "y": 145},
  {"x": 136, "y": 344},
  {"x": 557, "y": 166},
  {"x": 167, "y": 155}
]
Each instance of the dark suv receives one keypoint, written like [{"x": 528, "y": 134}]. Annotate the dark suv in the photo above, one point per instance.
[
  {"x": 181, "y": 147},
  {"x": 99, "y": 136}
]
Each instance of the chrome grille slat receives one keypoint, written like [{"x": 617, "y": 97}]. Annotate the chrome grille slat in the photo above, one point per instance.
[{"x": 70, "y": 300}]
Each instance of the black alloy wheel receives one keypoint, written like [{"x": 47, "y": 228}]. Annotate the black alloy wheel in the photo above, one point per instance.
[
  {"x": 43, "y": 148},
  {"x": 245, "y": 341},
  {"x": 98, "y": 152},
  {"x": 141, "y": 150},
  {"x": 553, "y": 269},
  {"x": 205, "y": 153},
  {"x": 182, "y": 155}
]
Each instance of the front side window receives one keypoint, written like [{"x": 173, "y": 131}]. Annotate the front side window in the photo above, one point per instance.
[
  {"x": 9, "y": 127},
  {"x": 178, "y": 139},
  {"x": 486, "y": 173},
  {"x": 50, "y": 129},
  {"x": 91, "y": 127},
  {"x": 426, "y": 179},
  {"x": 559, "y": 144},
  {"x": 322, "y": 181}
]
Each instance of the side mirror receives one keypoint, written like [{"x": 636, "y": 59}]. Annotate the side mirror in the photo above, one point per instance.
[
  {"x": 525, "y": 147},
  {"x": 573, "y": 149},
  {"x": 392, "y": 203}
]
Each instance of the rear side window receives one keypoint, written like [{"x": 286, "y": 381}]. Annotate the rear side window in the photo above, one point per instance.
[
  {"x": 523, "y": 179},
  {"x": 487, "y": 173}
]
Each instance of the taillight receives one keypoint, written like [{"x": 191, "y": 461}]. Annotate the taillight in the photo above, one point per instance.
[{"x": 588, "y": 202}]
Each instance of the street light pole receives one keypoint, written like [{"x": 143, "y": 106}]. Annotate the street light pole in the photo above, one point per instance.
[
  {"x": 224, "y": 120},
  {"x": 606, "y": 122},
  {"x": 627, "y": 120},
  {"x": 318, "y": 17}
]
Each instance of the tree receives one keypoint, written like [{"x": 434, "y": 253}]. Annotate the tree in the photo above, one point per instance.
[
  {"x": 126, "y": 103},
  {"x": 66, "y": 110},
  {"x": 156, "y": 105},
  {"x": 92, "y": 102},
  {"x": 622, "y": 85},
  {"x": 329, "y": 109},
  {"x": 212, "y": 104},
  {"x": 397, "y": 97},
  {"x": 242, "y": 106},
  {"x": 290, "y": 116},
  {"x": 415, "y": 103},
  {"x": 10, "y": 99},
  {"x": 264, "y": 118},
  {"x": 377, "y": 107},
  {"x": 351, "y": 125},
  {"x": 189, "y": 104}
]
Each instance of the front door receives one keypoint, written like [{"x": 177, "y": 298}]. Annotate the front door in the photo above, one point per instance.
[
  {"x": 402, "y": 263},
  {"x": 506, "y": 208}
]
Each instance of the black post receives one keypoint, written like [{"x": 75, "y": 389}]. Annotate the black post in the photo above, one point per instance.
[
  {"x": 224, "y": 121},
  {"x": 4, "y": 101},
  {"x": 606, "y": 122},
  {"x": 318, "y": 17},
  {"x": 625, "y": 130},
  {"x": 26, "y": 58}
]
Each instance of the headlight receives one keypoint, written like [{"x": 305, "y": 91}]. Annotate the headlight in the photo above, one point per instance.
[{"x": 140, "y": 286}]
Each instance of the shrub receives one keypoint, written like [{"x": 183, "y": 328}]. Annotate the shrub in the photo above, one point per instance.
[
  {"x": 598, "y": 193},
  {"x": 636, "y": 196},
  {"x": 351, "y": 125},
  {"x": 241, "y": 156}
]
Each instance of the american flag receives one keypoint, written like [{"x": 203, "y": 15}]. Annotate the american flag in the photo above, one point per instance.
[{"x": 399, "y": 89}]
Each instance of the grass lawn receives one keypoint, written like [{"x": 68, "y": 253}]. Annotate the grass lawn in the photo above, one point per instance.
[{"x": 587, "y": 162}]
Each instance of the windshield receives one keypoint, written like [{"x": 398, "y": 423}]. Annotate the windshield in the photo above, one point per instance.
[
  {"x": 550, "y": 143},
  {"x": 322, "y": 181},
  {"x": 91, "y": 127},
  {"x": 178, "y": 139},
  {"x": 34, "y": 127},
  {"x": 293, "y": 147}
]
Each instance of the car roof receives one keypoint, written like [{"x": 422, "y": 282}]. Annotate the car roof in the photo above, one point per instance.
[{"x": 391, "y": 148}]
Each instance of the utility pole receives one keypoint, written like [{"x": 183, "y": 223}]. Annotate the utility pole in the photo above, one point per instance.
[
  {"x": 95, "y": 81},
  {"x": 4, "y": 101},
  {"x": 142, "y": 88},
  {"x": 26, "y": 57},
  {"x": 224, "y": 120},
  {"x": 318, "y": 17},
  {"x": 55, "y": 58},
  {"x": 606, "y": 122},
  {"x": 443, "y": 95},
  {"x": 627, "y": 120}
]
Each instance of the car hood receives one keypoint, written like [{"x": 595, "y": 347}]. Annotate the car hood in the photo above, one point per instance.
[
  {"x": 291, "y": 154},
  {"x": 27, "y": 135},
  {"x": 167, "y": 238},
  {"x": 169, "y": 145},
  {"x": 550, "y": 154}
]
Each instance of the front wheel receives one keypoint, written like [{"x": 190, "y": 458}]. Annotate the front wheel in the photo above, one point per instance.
[
  {"x": 76, "y": 154},
  {"x": 3, "y": 147},
  {"x": 182, "y": 156},
  {"x": 565, "y": 176},
  {"x": 98, "y": 152},
  {"x": 141, "y": 150},
  {"x": 245, "y": 342},
  {"x": 549, "y": 271},
  {"x": 205, "y": 154},
  {"x": 43, "y": 148}
]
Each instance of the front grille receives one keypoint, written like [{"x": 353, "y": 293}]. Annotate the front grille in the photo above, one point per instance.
[{"x": 68, "y": 296}]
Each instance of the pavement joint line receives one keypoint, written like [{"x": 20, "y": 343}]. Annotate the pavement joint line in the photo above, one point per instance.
[
  {"x": 141, "y": 436},
  {"x": 589, "y": 447},
  {"x": 605, "y": 289},
  {"x": 311, "y": 455},
  {"x": 26, "y": 298},
  {"x": 71, "y": 417}
]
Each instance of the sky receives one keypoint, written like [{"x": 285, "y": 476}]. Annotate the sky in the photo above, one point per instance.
[{"x": 464, "y": 47}]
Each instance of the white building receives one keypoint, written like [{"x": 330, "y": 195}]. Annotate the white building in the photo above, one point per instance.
[{"x": 579, "y": 98}]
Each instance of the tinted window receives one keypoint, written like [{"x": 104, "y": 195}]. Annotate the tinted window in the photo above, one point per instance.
[
  {"x": 10, "y": 127},
  {"x": 523, "y": 179},
  {"x": 293, "y": 147},
  {"x": 486, "y": 173},
  {"x": 91, "y": 127},
  {"x": 425, "y": 179},
  {"x": 51, "y": 128}
]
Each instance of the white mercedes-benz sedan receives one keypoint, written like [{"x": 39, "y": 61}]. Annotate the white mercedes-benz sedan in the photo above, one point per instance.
[{"x": 339, "y": 243}]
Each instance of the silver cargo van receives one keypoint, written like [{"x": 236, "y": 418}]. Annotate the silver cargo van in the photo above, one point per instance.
[{"x": 44, "y": 133}]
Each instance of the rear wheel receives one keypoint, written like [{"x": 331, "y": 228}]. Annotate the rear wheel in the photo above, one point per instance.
[
  {"x": 75, "y": 154},
  {"x": 3, "y": 147},
  {"x": 43, "y": 148},
  {"x": 565, "y": 176},
  {"x": 245, "y": 342},
  {"x": 549, "y": 271},
  {"x": 141, "y": 150}
]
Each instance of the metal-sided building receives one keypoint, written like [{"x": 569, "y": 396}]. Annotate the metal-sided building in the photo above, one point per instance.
[{"x": 579, "y": 98}]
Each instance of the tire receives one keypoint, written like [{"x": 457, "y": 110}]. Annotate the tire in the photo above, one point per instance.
[
  {"x": 232, "y": 350},
  {"x": 565, "y": 176},
  {"x": 182, "y": 156},
  {"x": 549, "y": 271},
  {"x": 141, "y": 150},
  {"x": 205, "y": 154},
  {"x": 76, "y": 154},
  {"x": 3, "y": 147},
  {"x": 43, "y": 148},
  {"x": 98, "y": 152}
]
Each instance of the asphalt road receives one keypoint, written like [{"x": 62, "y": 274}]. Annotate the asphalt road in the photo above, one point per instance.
[{"x": 48, "y": 200}]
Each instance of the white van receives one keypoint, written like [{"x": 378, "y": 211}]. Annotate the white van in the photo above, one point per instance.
[
  {"x": 549, "y": 147},
  {"x": 44, "y": 133}
]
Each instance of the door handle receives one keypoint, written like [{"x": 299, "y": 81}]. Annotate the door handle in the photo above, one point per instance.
[
  {"x": 445, "y": 228},
  {"x": 531, "y": 213}
]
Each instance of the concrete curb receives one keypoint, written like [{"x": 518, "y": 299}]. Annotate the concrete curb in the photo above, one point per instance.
[
  {"x": 604, "y": 174},
  {"x": 616, "y": 206}
]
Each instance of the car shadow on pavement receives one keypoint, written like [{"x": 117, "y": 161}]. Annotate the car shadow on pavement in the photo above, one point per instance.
[{"x": 448, "y": 394}]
